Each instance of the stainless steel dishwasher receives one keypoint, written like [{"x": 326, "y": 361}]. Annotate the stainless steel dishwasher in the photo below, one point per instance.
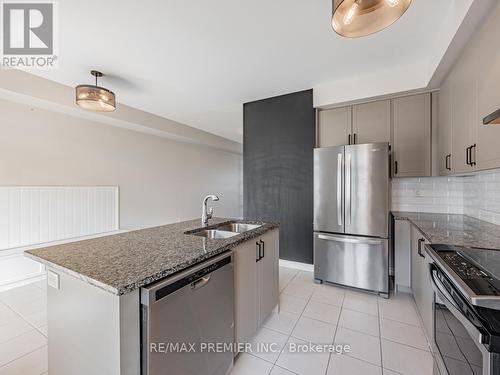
[{"x": 183, "y": 315}]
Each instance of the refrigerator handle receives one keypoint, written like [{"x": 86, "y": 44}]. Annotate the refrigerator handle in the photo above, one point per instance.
[
  {"x": 339, "y": 189},
  {"x": 348, "y": 188},
  {"x": 366, "y": 241}
]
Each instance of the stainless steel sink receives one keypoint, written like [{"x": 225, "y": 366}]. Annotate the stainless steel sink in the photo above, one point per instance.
[
  {"x": 238, "y": 227},
  {"x": 226, "y": 230},
  {"x": 213, "y": 234}
]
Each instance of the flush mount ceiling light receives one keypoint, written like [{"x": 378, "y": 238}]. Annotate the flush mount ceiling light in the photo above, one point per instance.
[
  {"x": 95, "y": 98},
  {"x": 356, "y": 18}
]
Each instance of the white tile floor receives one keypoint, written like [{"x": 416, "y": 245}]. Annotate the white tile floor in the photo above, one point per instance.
[
  {"x": 23, "y": 330},
  {"x": 384, "y": 335}
]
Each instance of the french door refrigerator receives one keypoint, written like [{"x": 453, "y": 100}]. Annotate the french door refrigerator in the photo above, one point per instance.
[{"x": 351, "y": 216}]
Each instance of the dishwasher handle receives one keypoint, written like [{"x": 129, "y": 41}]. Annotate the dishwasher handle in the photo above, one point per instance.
[
  {"x": 194, "y": 278},
  {"x": 201, "y": 282}
]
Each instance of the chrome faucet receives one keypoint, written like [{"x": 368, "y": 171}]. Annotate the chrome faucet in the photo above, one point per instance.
[{"x": 207, "y": 213}]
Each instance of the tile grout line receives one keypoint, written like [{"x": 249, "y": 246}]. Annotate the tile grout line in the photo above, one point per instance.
[
  {"x": 13, "y": 338},
  {"x": 380, "y": 337},
  {"x": 335, "y": 334},
  {"x": 23, "y": 318},
  {"x": 22, "y": 356},
  {"x": 290, "y": 335}
]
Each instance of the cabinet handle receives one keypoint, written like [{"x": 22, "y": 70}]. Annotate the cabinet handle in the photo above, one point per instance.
[
  {"x": 354, "y": 137},
  {"x": 447, "y": 161},
  {"x": 348, "y": 139},
  {"x": 263, "y": 250},
  {"x": 467, "y": 156},
  {"x": 419, "y": 247},
  {"x": 257, "y": 248},
  {"x": 473, "y": 162},
  {"x": 395, "y": 167}
]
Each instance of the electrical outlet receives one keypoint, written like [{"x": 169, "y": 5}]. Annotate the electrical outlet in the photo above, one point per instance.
[{"x": 53, "y": 280}]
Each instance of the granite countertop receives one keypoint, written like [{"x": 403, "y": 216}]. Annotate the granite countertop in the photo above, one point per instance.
[
  {"x": 123, "y": 262},
  {"x": 453, "y": 229}
]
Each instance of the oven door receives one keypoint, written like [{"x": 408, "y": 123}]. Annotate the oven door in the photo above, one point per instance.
[{"x": 457, "y": 333}]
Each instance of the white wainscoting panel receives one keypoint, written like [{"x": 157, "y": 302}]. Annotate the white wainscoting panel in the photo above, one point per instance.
[{"x": 31, "y": 215}]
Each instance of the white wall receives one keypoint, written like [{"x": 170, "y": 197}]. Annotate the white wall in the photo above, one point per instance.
[
  {"x": 477, "y": 195},
  {"x": 160, "y": 180}
]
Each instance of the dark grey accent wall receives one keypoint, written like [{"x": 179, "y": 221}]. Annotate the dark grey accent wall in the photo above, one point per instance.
[{"x": 278, "y": 142}]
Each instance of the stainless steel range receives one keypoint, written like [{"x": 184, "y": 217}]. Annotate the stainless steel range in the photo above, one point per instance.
[{"x": 466, "y": 282}]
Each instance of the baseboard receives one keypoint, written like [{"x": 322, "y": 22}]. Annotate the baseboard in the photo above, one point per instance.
[
  {"x": 403, "y": 289},
  {"x": 23, "y": 282},
  {"x": 297, "y": 265}
]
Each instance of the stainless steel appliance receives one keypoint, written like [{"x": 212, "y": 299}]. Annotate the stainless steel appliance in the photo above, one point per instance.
[
  {"x": 351, "y": 216},
  {"x": 183, "y": 315},
  {"x": 466, "y": 282}
]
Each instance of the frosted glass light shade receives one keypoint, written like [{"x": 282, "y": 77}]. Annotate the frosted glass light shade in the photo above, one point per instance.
[
  {"x": 357, "y": 18},
  {"x": 95, "y": 98}
]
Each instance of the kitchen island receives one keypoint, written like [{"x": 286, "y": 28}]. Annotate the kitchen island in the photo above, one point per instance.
[{"x": 94, "y": 293}]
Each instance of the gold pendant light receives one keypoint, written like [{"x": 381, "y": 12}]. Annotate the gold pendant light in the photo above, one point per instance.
[
  {"x": 95, "y": 98},
  {"x": 356, "y": 18}
]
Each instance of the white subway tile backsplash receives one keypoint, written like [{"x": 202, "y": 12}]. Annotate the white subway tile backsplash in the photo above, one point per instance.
[
  {"x": 477, "y": 195},
  {"x": 427, "y": 195}
]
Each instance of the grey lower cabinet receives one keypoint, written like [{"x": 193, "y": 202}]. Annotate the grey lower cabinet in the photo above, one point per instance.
[
  {"x": 256, "y": 283},
  {"x": 402, "y": 261},
  {"x": 420, "y": 280}
]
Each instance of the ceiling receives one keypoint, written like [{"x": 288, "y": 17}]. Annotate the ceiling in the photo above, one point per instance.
[{"x": 198, "y": 61}]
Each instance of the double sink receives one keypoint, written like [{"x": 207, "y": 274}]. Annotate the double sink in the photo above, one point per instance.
[{"x": 225, "y": 230}]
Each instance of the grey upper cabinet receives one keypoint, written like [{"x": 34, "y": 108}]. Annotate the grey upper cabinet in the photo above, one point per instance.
[
  {"x": 411, "y": 138},
  {"x": 361, "y": 123},
  {"x": 334, "y": 127},
  {"x": 444, "y": 132},
  {"x": 463, "y": 100},
  {"x": 371, "y": 122},
  {"x": 472, "y": 89},
  {"x": 487, "y": 151}
]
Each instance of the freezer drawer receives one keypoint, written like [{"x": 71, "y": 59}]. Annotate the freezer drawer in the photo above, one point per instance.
[
  {"x": 358, "y": 262},
  {"x": 192, "y": 308}
]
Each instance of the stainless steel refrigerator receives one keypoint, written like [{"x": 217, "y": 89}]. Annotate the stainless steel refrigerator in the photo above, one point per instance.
[{"x": 351, "y": 216}]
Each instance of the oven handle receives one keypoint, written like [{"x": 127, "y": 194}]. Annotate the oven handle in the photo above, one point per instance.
[{"x": 447, "y": 299}]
